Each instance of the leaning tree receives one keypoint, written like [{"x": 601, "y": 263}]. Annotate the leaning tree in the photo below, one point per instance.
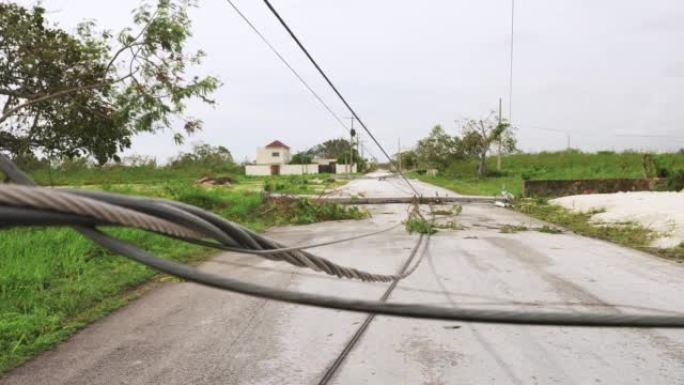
[
  {"x": 480, "y": 134},
  {"x": 89, "y": 92}
]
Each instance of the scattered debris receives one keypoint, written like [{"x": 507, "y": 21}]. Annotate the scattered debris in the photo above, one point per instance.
[
  {"x": 549, "y": 229},
  {"x": 510, "y": 229},
  {"x": 659, "y": 211},
  {"x": 450, "y": 225},
  {"x": 215, "y": 181}
]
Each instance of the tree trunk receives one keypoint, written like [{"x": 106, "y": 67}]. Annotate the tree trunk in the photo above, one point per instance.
[{"x": 482, "y": 168}]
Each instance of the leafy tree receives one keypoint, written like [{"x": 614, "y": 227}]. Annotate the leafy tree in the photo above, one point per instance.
[
  {"x": 331, "y": 149},
  {"x": 438, "y": 149},
  {"x": 89, "y": 92},
  {"x": 206, "y": 157},
  {"x": 480, "y": 135},
  {"x": 409, "y": 159},
  {"x": 303, "y": 157},
  {"x": 339, "y": 149}
]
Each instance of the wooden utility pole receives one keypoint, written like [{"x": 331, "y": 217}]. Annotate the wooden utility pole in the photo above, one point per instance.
[
  {"x": 399, "y": 152},
  {"x": 352, "y": 133},
  {"x": 358, "y": 150},
  {"x": 498, "y": 158}
]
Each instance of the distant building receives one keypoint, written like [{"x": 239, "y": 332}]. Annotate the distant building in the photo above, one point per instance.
[
  {"x": 273, "y": 159},
  {"x": 273, "y": 153}
]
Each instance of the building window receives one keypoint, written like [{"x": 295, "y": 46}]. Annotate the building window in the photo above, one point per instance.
[{"x": 275, "y": 154}]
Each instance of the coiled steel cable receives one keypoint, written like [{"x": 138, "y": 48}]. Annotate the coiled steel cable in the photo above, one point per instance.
[{"x": 169, "y": 218}]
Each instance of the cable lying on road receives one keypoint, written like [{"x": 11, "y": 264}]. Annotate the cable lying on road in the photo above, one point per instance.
[
  {"x": 233, "y": 235},
  {"x": 26, "y": 205}
]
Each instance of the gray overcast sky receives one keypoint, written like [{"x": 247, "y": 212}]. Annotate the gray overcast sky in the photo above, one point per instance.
[{"x": 595, "y": 69}]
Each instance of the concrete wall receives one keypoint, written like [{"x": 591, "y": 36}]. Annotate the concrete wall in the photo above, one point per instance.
[
  {"x": 345, "y": 169},
  {"x": 298, "y": 169},
  {"x": 257, "y": 170},
  {"x": 268, "y": 155},
  {"x": 557, "y": 188},
  {"x": 285, "y": 169}
]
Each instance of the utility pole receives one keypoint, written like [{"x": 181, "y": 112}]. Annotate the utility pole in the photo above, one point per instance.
[
  {"x": 399, "y": 152},
  {"x": 358, "y": 150},
  {"x": 498, "y": 158},
  {"x": 352, "y": 133}
]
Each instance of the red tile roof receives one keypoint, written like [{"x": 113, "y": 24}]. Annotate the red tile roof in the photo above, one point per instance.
[{"x": 277, "y": 144}]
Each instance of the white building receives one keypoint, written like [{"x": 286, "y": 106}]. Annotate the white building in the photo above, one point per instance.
[
  {"x": 273, "y": 159},
  {"x": 274, "y": 153}
]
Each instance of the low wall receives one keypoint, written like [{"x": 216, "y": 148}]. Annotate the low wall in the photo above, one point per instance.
[
  {"x": 345, "y": 169},
  {"x": 298, "y": 169},
  {"x": 257, "y": 170},
  {"x": 556, "y": 188}
]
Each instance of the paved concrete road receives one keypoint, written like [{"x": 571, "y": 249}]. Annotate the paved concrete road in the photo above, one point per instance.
[{"x": 186, "y": 334}]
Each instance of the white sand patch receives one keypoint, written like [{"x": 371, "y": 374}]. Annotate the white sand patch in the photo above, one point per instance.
[{"x": 659, "y": 211}]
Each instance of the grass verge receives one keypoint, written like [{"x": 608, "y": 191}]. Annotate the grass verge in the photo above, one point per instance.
[
  {"x": 53, "y": 281},
  {"x": 628, "y": 234},
  {"x": 461, "y": 177}
]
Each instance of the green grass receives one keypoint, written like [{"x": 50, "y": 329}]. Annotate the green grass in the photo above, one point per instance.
[
  {"x": 53, "y": 281},
  {"x": 416, "y": 224},
  {"x": 512, "y": 229},
  {"x": 461, "y": 176},
  {"x": 113, "y": 175},
  {"x": 629, "y": 234}
]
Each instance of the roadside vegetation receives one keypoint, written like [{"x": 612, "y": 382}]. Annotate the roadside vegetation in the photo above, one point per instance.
[
  {"x": 53, "y": 281},
  {"x": 628, "y": 234},
  {"x": 461, "y": 174}
]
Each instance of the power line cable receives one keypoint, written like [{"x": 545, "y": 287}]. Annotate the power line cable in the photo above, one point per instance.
[
  {"x": 194, "y": 218},
  {"x": 334, "y": 88},
  {"x": 288, "y": 65}
]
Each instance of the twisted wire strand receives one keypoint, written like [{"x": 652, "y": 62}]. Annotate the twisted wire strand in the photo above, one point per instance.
[
  {"x": 414, "y": 310},
  {"x": 163, "y": 216},
  {"x": 55, "y": 200}
]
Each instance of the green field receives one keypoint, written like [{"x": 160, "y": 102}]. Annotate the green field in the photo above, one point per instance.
[
  {"x": 54, "y": 281},
  {"x": 461, "y": 176}
]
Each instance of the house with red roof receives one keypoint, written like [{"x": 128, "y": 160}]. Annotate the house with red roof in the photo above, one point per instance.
[
  {"x": 274, "y": 159},
  {"x": 274, "y": 153}
]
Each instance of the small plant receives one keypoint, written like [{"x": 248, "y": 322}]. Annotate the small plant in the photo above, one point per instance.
[
  {"x": 450, "y": 225},
  {"x": 454, "y": 210},
  {"x": 416, "y": 224},
  {"x": 675, "y": 181},
  {"x": 549, "y": 230},
  {"x": 511, "y": 229}
]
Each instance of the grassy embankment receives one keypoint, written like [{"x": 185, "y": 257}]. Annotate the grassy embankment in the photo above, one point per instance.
[
  {"x": 53, "y": 281},
  {"x": 461, "y": 176}
]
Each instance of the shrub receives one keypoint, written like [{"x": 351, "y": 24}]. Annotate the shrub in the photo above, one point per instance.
[{"x": 675, "y": 181}]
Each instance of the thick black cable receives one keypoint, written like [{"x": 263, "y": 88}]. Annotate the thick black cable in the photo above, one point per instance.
[
  {"x": 376, "y": 307},
  {"x": 397, "y": 309},
  {"x": 339, "y": 94}
]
